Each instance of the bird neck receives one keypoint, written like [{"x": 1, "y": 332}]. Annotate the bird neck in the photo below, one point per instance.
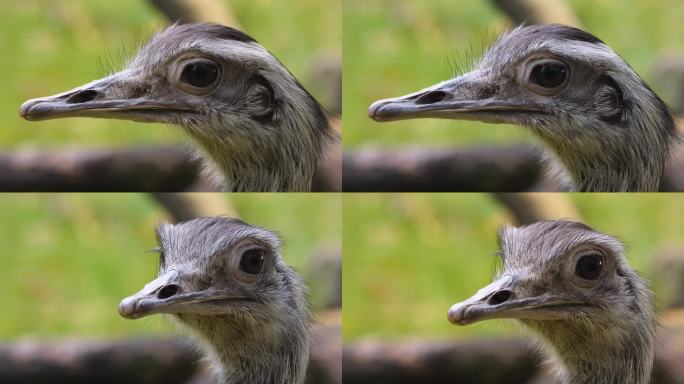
[
  {"x": 586, "y": 354},
  {"x": 612, "y": 366},
  {"x": 278, "y": 158},
  {"x": 608, "y": 175},
  {"x": 256, "y": 354},
  {"x": 611, "y": 158}
]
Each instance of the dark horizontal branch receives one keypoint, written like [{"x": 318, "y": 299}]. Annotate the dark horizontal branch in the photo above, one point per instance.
[
  {"x": 506, "y": 168},
  {"x": 477, "y": 362},
  {"x": 168, "y": 361},
  {"x": 137, "y": 169},
  {"x": 498, "y": 361},
  {"x": 140, "y": 169},
  {"x": 174, "y": 169},
  {"x": 488, "y": 169},
  {"x": 140, "y": 361}
]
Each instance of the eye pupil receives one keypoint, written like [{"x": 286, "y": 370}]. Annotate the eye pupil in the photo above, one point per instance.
[
  {"x": 200, "y": 74},
  {"x": 252, "y": 261},
  {"x": 548, "y": 75},
  {"x": 589, "y": 267}
]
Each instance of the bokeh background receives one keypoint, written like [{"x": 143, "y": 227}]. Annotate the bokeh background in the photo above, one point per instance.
[
  {"x": 409, "y": 257},
  {"x": 68, "y": 259},
  {"x": 393, "y": 48},
  {"x": 53, "y": 46}
]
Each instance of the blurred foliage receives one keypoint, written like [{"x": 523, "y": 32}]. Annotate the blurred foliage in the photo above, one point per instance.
[
  {"x": 392, "y": 48},
  {"x": 409, "y": 257},
  {"x": 51, "y": 46},
  {"x": 68, "y": 259}
]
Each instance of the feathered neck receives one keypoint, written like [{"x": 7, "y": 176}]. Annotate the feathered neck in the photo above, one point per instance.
[
  {"x": 626, "y": 158},
  {"x": 253, "y": 353},
  {"x": 599, "y": 361},
  {"x": 281, "y": 157},
  {"x": 609, "y": 349}
]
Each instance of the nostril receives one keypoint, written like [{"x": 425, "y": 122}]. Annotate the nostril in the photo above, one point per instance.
[
  {"x": 167, "y": 291},
  {"x": 499, "y": 297},
  {"x": 431, "y": 97},
  {"x": 82, "y": 97}
]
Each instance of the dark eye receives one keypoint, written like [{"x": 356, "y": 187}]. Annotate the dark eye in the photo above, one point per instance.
[
  {"x": 548, "y": 75},
  {"x": 200, "y": 74},
  {"x": 589, "y": 267},
  {"x": 252, "y": 261}
]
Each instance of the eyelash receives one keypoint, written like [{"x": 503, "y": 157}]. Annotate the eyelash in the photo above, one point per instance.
[{"x": 162, "y": 259}]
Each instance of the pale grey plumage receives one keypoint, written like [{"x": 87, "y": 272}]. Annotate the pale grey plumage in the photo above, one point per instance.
[
  {"x": 599, "y": 330},
  {"x": 255, "y": 124},
  {"x": 252, "y": 326},
  {"x": 605, "y": 129}
]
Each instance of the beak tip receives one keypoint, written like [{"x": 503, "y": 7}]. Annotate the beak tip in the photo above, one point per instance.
[
  {"x": 386, "y": 110},
  {"x": 378, "y": 112},
  {"x": 25, "y": 108},
  {"x": 456, "y": 315},
  {"x": 34, "y": 110},
  {"x": 372, "y": 111},
  {"x": 127, "y": 308}
]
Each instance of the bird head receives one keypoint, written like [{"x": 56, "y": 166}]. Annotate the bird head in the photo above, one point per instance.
[
  {"x": 220, "y": 271},
  {"x": 567, "y": 281},
  {"x": 564, "y": 83},
  {"x": 211, "y": 79}
]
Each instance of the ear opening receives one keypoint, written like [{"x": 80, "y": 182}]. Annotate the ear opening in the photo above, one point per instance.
[
  {"x": 610, "y": 98},
  {"x": 266, "y": 97}
]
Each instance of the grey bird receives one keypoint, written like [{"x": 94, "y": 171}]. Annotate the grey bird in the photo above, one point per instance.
[
  {"x": 604, "y": 128},
  {"x": 226, "y": 281},
  {"x": 256, "y": 126},
  {"x": 573, "y": 287}
]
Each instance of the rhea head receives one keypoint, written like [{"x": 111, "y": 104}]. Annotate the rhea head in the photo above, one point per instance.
[
  {"x": 608, "y": 130},
  {"x": 251, "y": 117}
]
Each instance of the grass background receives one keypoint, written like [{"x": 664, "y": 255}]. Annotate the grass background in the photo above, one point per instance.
[
  {"x": 68, "y": 259},
  {"x": 409, "y": 257},
  {"x": 52, "y": 46},
  {"x": 392, "y": 48}
]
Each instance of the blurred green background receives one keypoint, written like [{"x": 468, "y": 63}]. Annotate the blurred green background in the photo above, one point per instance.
[
  {"x": 409, "y": 257},
  {"x": 68, "y": 259},
  {"x": 52, "y": 46},
  {"x": 392, "y": 48}
]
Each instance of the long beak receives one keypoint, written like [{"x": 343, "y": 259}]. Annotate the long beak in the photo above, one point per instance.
[
  {"x": 463, "y": 98},
  {"x": 503, "y": 299},
  {"x": 113, "y": 97},
  {"x": 166, "y": 295}
]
